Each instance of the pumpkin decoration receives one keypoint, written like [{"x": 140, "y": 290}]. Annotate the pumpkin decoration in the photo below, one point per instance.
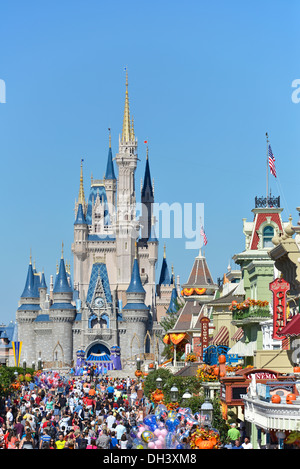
[
  {"x": 222, "y": 359},
  {"x": 276, "y": 399},
  {"x": 157, "y": 396},
  {"x": 206, "y": 444},
  {"x": 138, "y": 373},
  {"x": 290, "y": 398},
  {"x": 151, "y": 365},
  {"x": 216, "y": 370},
  {"x": 296, "y": 369}
]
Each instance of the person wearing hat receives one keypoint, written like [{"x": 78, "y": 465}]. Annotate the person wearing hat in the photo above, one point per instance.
[{"x": 233, "y": 434}]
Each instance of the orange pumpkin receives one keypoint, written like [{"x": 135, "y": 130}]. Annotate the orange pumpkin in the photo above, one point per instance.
[
  {"x": 151, "y": 365},
  {"x": 216, "y": 370},
  {"x": 198, "y": 441},
  {"x": 213, "y": 441},
  {"x": 206, "y": 444},
  {"x": 276, "y": 399},
  {"x": 138, "y": 373},
  {"x": 290, "y": 398},
  {"x": 222, "y": 359},
  {"x": 296, "y": 369}
]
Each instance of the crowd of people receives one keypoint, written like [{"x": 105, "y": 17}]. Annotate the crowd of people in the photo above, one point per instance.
[{"x": 75, "y": 413}]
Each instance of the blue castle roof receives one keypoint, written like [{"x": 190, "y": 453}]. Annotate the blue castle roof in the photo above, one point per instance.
[
  {"x": 80, "y": 218},
  {"x": 61, "y": 282},
  {"x": 173, "y": 308},
  {"x": 147, "y": 180},
  {"x": 99, "y": 269},
  {"x": 110, "y": 172},
  {"x": 164, "y": 278},
  {"x": 135, "y": 285},
  {"x": 30, "y": 290}
]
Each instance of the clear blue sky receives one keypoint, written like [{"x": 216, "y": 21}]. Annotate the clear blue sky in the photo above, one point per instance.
[{"x": 207, "y": 80}]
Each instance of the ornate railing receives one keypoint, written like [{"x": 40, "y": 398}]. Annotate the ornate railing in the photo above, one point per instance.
[{"x": 262, "y": 202}]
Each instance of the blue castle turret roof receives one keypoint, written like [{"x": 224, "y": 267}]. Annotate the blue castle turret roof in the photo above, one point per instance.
[
  {"x": 135, "y": 285},
  {"x": 110, "y": 172},
  {"x": 30, "y": 290},
  {"x": 61, "y": 282},
  {"x": 80, "y": 218}
]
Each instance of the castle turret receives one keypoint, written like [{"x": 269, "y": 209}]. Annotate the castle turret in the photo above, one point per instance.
[
  {"x": 62, "y": 315},
  {"x": 28, "y": 310},
  {"x": 147, "y": 200},
  {"x": 110, "y": 182},
  {"x": 135, "y": 312}
]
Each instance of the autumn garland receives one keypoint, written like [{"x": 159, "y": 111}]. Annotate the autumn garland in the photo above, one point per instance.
[{"x": 246, "y": 304}]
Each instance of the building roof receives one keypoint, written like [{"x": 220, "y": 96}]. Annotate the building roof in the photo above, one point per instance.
[
  {"x": 135, "y": 285},
  {"x": 61, "y": 282},
  {"x": 189, "y": 311},
  {"x": 164, "y": 278},
  {"x": 200, "y": 276},
  {"x": 99, "y": 270},
  {"x": 80, "y": 218},
  {"x": 147, "y": 184},
  {"x": 110, "y": 172},
  {"x": 30, "y": 290},
  {"x": 173, "y": 307}
]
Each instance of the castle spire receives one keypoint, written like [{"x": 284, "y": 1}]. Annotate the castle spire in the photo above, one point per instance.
[
  {"x": 110, "y": 172},
  {"x": 126, "y": 130},
  {"x": 81, "y": 198}
]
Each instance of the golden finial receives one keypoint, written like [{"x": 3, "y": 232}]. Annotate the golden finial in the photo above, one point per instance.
[
  {"x": 81, "y": 198},
  {"x": 62, "y": 250},
  {"x": 57, "y": 269},
  {"x": 165, "y": 251},
  {"x": 109, "y": 139},
  {"x": 126, "y": 119},
  {"x": 30, "y": 257}
]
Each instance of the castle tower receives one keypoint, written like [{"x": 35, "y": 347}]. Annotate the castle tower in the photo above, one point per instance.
[
  {"x": 28, "y": 310},
  {"x": 80, "y": 245},
  {"x": 147, "y": 200},
  {"x": 163, "y": 289},
  {"x": 135, "y": 313},
  {"x": 126, "y": 223},
  {"x": 110, "y": 182},
  {"x": 62, "y": 314}
]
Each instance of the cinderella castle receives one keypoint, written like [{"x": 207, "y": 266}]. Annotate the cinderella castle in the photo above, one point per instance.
[{"x": 113, "y": 304}]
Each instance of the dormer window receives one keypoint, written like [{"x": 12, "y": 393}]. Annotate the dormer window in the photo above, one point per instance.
[{"x": 268, "y": 234}]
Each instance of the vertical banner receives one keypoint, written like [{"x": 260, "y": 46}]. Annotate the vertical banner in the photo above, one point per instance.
[
  {"x": 279, "y": 287},
  {"x": 204, "y": 334},
  {"x": 17, "y": 347}
]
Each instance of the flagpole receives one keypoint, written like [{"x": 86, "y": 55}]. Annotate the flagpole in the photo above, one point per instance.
[{"x": 267, "y": 203}]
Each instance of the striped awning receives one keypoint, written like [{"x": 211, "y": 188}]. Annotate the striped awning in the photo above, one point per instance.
[
  {"x": 222, "y": 337},
  {"x": 98, "y": 357},
  {"x": 239, "y": 333}
]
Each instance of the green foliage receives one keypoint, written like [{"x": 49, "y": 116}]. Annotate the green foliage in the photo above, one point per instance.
[{"x": 7, "y": 377}]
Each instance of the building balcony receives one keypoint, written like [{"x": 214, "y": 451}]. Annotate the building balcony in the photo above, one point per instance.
[{"x": 251, "y": 314}]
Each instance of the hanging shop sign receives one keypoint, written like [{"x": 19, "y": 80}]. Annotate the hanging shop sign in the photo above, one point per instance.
[{"x": 279, "y": 287}]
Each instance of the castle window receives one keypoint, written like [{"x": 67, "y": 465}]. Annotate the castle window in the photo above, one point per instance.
[{"x": 268, "y": 234}]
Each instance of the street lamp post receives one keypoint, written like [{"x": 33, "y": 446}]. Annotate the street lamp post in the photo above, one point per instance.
[
  {"x": 158, "y": 383},
  {"x": 174, "y": 394},
  {"x": 206, "y": 413},
  {"x": 186, "y": 396}
]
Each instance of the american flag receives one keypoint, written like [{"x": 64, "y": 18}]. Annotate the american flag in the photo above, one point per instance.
[
  {"x": 202, "y": 232},
  {"x": 272, "y": 162}
]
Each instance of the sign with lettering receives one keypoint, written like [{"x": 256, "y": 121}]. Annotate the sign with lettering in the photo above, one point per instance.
[
  {"x": 279, "y": 287},
  {"x": 204, "y": 333}
]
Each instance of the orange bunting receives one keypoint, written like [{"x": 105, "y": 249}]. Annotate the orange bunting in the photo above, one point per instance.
[
  {"x": 166, "y": 339},
  {"x": 193, "y": 291},
  {"x": 177, "y": 338}
]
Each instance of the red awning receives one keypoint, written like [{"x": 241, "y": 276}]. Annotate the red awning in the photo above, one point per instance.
[
  {"x": 238, "y": 335},
  {"x": 222, "y": 337},
  {"x": 292, "y": 328}
]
